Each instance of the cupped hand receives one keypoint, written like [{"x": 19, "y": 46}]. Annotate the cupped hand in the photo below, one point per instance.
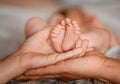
[
  {"x": 40, "y": 53},
  {"x": 37, "y": 51},
  {"x": 84, "y": 67}
]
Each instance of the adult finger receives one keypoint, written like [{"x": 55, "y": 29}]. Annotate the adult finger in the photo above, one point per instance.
[
  {"x": 36, "y": 60},
  {"x": 94, "y": 52},
  {"x": 52, "y": 69},
  {"x": 90, "y": 49},
  {"x": 84, "y": 46},
  {"x": 79, "y": 43},
  {"x": 23, "y": 77}
]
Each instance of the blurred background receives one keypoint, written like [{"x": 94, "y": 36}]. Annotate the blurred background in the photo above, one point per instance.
[{"x": 15, "y": 13}]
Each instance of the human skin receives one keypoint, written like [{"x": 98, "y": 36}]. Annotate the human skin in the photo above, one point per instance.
[
  {"x": 79, "y": 68},
  {"x": 91, "y": 65},
  {"x": 35, "y": 52},
  {"x": 99, "y": 36},
  {"x": 94, "y": 36},
  {"x": 90, "y": 28},
  {"x": 17, "y": 63},
  {"x": 61, "y": 34},
  {"x": 65, "y": 35}
]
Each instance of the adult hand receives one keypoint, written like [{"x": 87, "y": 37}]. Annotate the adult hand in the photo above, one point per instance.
[
  {"x": 84, "y": 67},
  {"x": 92, "y": 65},
  {"x": 38, "y": 44},
  {"x": 35, "y": 52}
]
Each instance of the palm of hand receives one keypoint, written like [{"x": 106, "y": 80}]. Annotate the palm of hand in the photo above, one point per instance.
[{"x": 38, "y": 43}]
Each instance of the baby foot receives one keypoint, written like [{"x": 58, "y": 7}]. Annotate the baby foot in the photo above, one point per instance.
[
  {"x": 57, "y": 37},
  {"x": 71, "y": 35}
]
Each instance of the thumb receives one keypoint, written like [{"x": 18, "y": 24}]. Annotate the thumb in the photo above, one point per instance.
[{"x": 44, "y": 60}]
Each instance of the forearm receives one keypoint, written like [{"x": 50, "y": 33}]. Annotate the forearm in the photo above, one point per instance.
[
  {"x": 111, "y": 70},
  {"x": 9, "y": 68}
]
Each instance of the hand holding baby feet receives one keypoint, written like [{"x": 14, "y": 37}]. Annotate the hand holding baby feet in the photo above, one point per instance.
[{"x": 72, "y": 33}]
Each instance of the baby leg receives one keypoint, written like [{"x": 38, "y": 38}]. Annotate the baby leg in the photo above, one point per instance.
[{"x": 93, "y": 21}]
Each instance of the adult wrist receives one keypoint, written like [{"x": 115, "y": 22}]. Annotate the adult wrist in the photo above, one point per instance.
[
  {"x": 110, "y": 70},
  {"x": 10, "y": 67}
]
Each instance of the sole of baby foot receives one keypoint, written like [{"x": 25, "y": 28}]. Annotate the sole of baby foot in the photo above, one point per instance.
[
  {"x": 72, "y": 33},
  {"x": 57, "y": 36}
]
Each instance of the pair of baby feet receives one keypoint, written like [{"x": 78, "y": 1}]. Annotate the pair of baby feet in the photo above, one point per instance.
[{"x": 66, "y": 36}]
